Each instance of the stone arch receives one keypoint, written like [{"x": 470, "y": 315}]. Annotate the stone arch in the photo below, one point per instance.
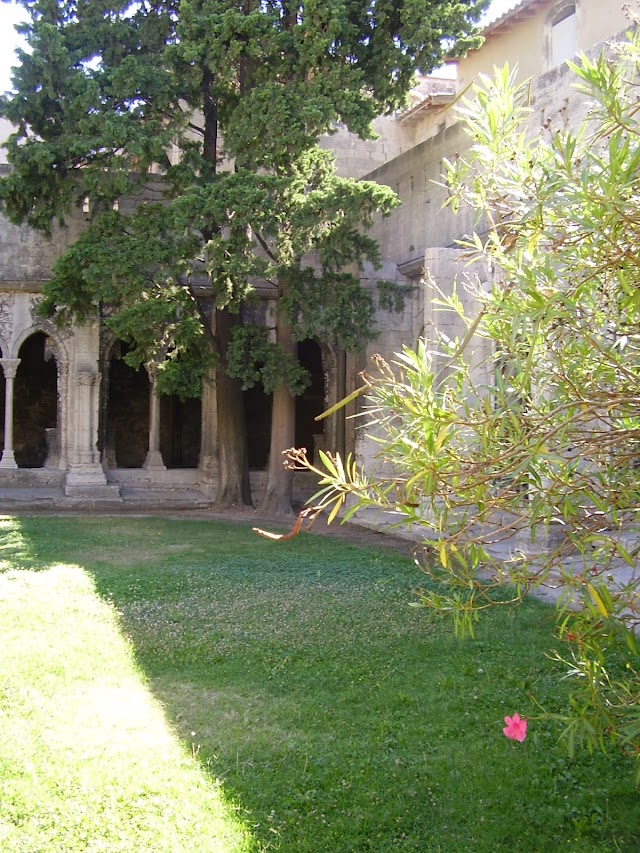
[
  {"x": 124, "y": 411},
  {"x": 55, "y": 343},
  {"x": 124, "y": 430},
  {"x": 59, "y": 342},
  {"x": 36, "y": 407},
  {"x": 180, "y": 431}
]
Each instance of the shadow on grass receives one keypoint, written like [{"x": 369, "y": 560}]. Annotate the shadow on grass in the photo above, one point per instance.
[{"x": 337, "y": 717}]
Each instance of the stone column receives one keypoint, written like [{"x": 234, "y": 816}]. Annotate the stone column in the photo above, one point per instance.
[
  {"x": 86, "y": 381},
  {"x": 10, "y": 368},
  {"x": 85, "y": 477},
  {"x": 63, "y": 414},
  {"x": 153, "y": 460}
]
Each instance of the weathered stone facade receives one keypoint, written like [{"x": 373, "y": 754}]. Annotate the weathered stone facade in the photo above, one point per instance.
[
  {"x": 79, "y": 427},
  {"x": 418, "y": 241}
]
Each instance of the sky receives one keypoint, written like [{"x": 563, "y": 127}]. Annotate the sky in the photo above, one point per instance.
[{"x": 10, "y": 14}]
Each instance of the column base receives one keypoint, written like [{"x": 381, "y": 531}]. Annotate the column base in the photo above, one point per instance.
[
  {"x": 8, "y": 460},
  {"x": 154, "y": 461},
  {"x": 89, "y": 482}
]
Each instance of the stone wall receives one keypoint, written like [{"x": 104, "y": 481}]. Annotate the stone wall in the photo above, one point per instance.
[
  {"x": 418, "y": 241},
  {"x": 356, "y": 157},
  {"x": 26, "y": 256}
]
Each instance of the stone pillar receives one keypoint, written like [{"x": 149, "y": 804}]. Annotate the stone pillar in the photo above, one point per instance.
[
  {"x": 10, "y": 368},
  {"x": 87, "y": 383},
  {"x": 86, "y": 477},
  {"x": 63, "y": 414},
  {"x": 153, "y": 460}
]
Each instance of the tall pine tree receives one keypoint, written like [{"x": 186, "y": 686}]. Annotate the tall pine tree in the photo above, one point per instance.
[{"x": 205, "y": 116}]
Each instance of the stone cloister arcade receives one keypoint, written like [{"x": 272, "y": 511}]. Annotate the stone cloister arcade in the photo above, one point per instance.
[{"x": 76, "y": 418}]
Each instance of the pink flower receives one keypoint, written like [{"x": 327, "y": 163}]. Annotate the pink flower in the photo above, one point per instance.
[{"x": 516, "y": 728}]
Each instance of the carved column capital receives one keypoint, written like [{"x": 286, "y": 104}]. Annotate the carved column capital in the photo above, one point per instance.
[{"x": 10, "y": 367}]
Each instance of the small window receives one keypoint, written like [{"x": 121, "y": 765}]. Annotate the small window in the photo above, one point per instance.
[{"x": 564, "y": 37}]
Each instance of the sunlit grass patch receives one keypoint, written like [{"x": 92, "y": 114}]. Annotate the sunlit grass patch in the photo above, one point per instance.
[
  {"x": 88, "y": 760},
  {"x": 13, "y": 546}
]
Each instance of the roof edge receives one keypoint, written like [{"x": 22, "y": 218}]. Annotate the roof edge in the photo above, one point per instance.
[{"x": 522, "y": 9}]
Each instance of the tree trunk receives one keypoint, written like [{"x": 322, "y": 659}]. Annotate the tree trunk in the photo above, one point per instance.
[
  {"x": 278, "y": 494},
  {"x": 233, "y": 467}
]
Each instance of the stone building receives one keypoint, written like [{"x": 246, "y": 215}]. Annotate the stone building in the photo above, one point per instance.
[
  {"x": 79, "y": 427},
  {"x": 418, "y": 240}
]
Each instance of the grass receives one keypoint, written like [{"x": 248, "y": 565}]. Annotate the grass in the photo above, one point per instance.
[{"x": 170, "y": 686}]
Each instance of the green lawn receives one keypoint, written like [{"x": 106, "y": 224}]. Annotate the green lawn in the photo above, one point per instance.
[{"x": 170, "y": 686}]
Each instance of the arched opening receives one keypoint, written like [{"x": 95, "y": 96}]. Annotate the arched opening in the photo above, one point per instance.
[
  {"x": 257, "y": 411},
  {"x": 257, "y": 406},
  {"x": 125, "y": 439},
  {"x": 35, "y": 407},
  {"x": 180, "y": 431},
  {"x": 311, "y": 403},
  {"x": 127, "y": 412}
]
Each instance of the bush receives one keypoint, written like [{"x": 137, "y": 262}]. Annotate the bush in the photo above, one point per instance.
[{"x": 545, "y": 458}]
